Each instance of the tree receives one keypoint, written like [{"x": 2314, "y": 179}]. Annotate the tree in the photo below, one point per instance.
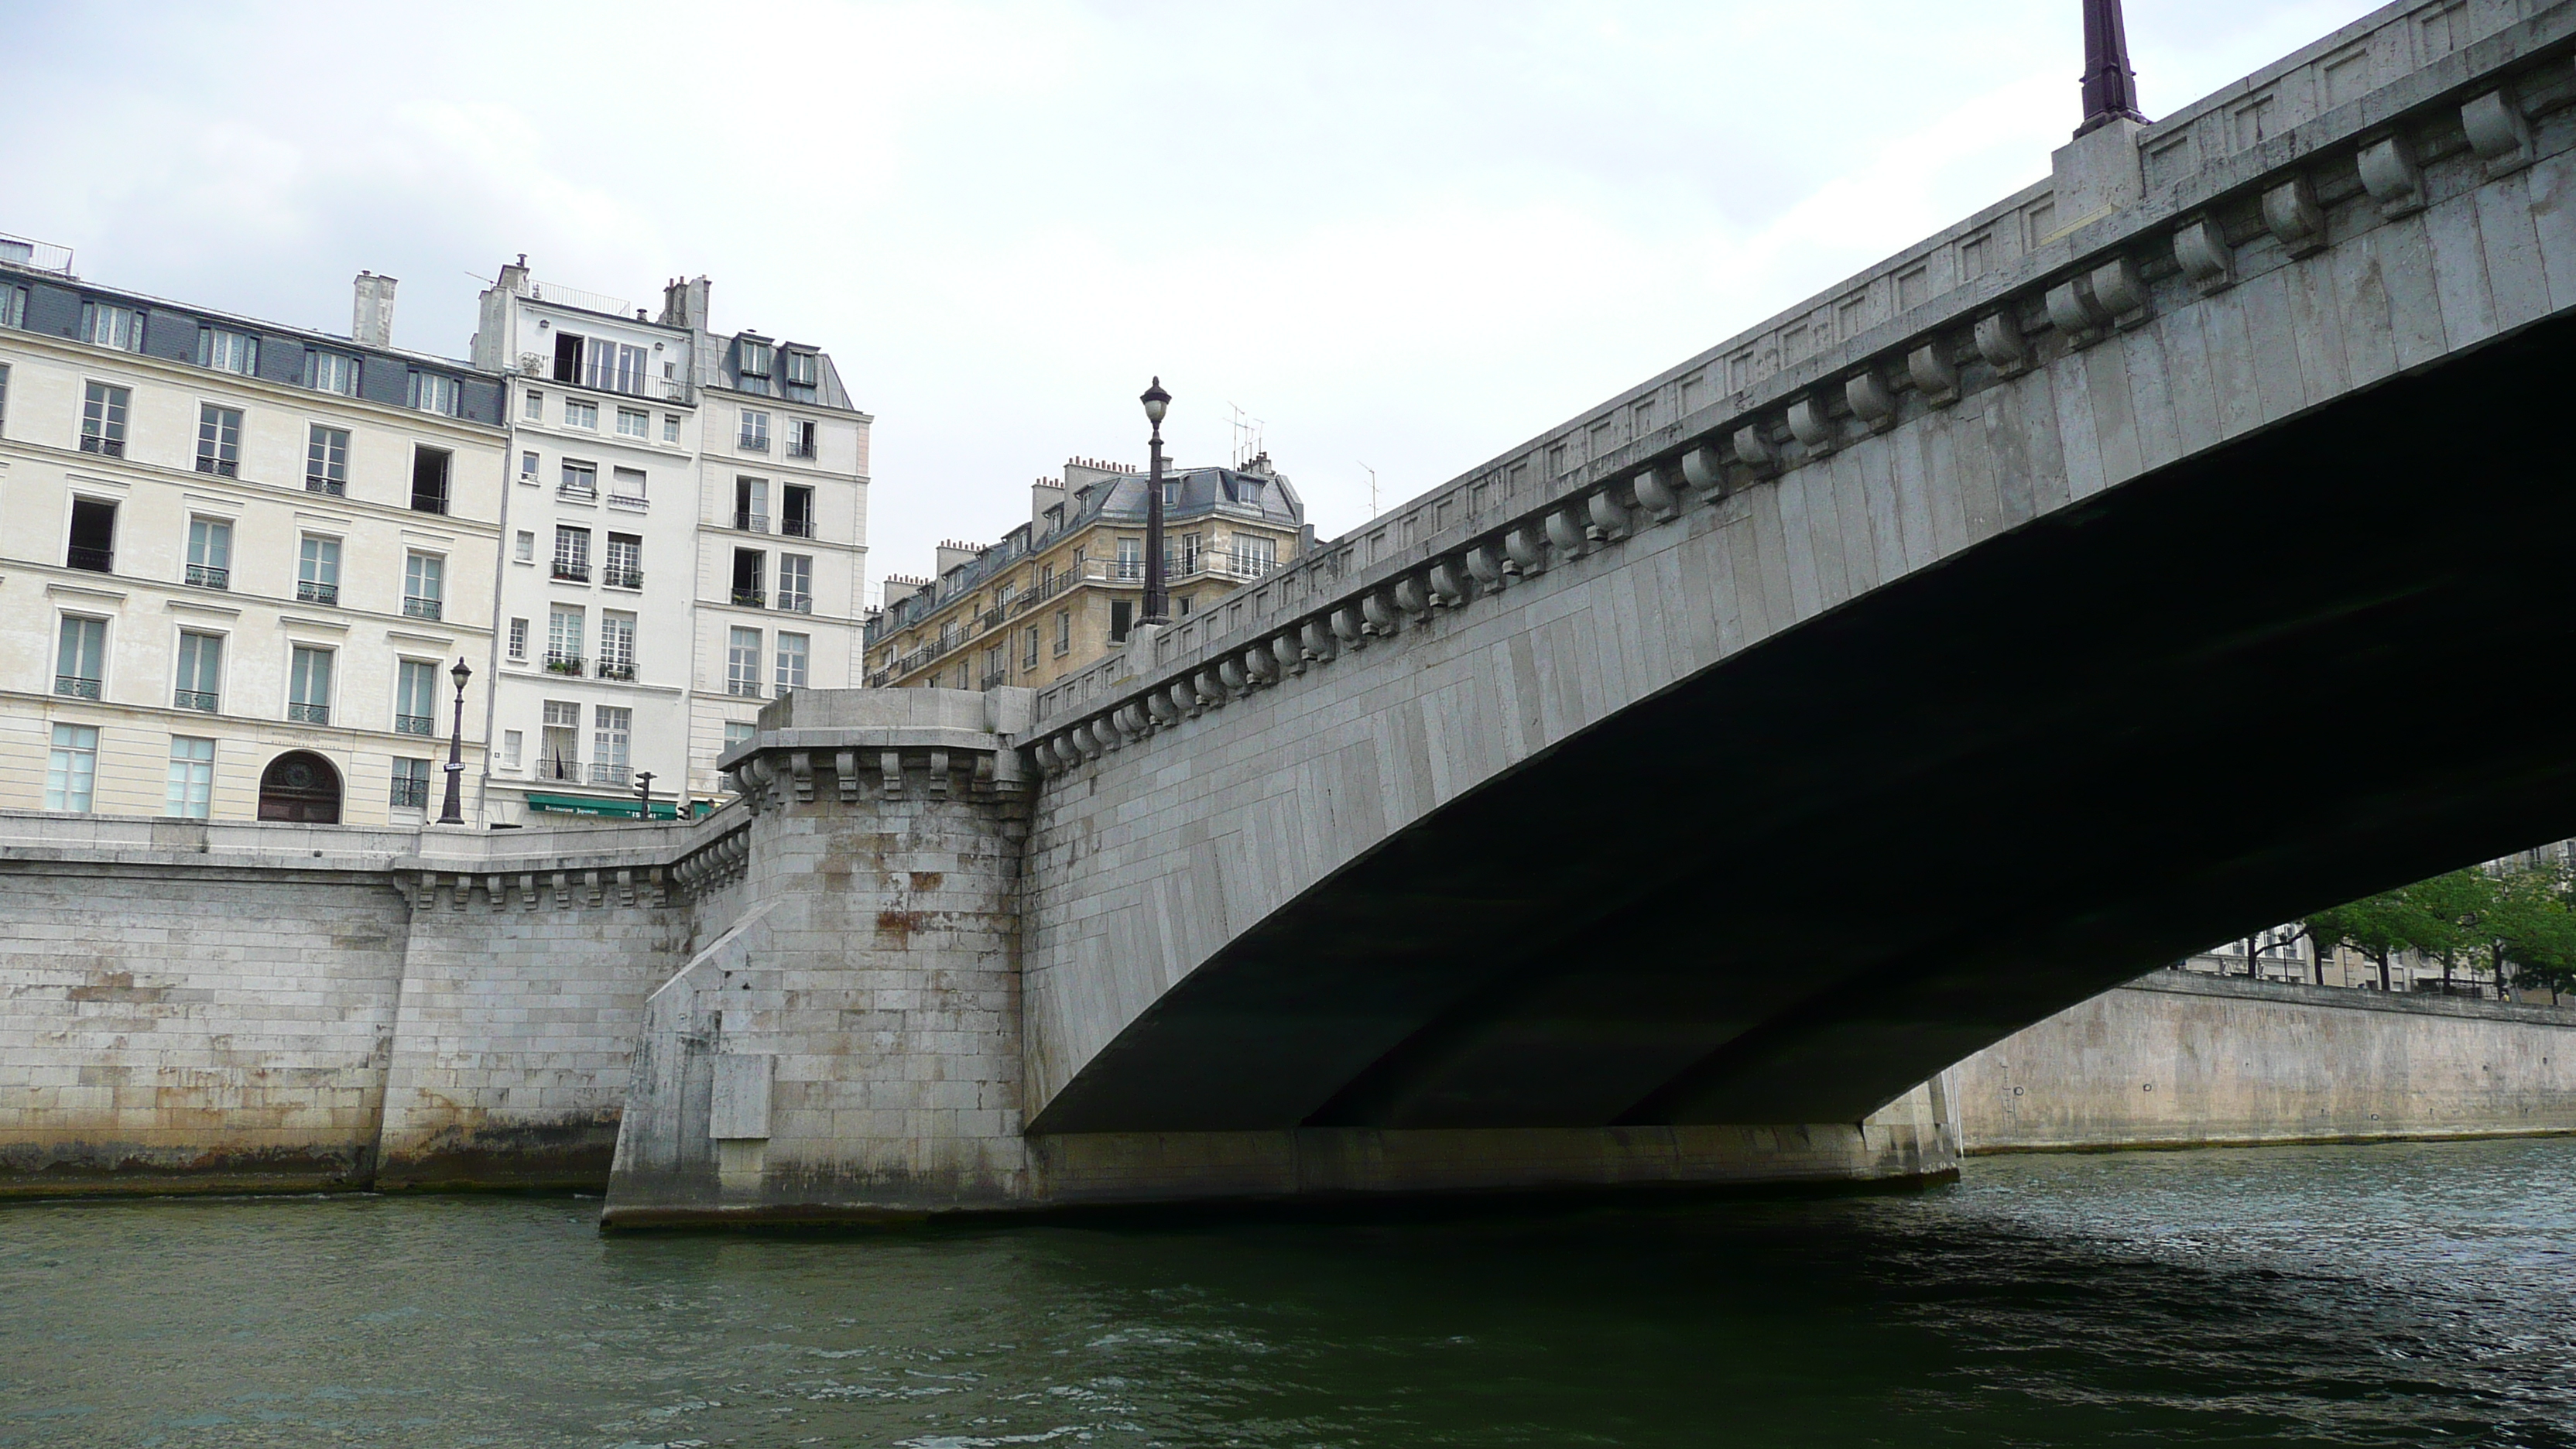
[
  {"x": 2454, "y": 910},
  {"x": 2377, "y": 926},
  {"x": 2529, "y": 933}
]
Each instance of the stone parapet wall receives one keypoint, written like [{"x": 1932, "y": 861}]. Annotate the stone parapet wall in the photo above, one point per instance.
[{"x": 2179, "y": 1060}]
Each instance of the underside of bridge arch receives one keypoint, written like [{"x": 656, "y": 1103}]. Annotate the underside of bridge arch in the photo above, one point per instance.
[{"x": 2320, "y": 661}]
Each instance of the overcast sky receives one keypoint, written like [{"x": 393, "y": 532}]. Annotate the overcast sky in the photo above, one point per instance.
[{"x": 1405, "y": 236}]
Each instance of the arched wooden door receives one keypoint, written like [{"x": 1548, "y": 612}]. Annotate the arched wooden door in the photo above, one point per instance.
[{"x": 300, "y": 786}]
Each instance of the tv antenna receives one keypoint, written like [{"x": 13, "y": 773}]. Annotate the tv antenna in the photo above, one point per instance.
[
  {"x": 1372, "y": 472},
  {"x": 1247, "y": 434}
]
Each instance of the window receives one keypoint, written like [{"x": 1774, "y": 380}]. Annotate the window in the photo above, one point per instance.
[
  {"x": 1121, "y": 614},
  {"x": 210, "y": 553},
  {"x": 103, "y": 420},
  {"x": 739, "y": 732},
  {"x": 792, "y": 651},
  {"x": 219, "y": 440},
  {"x": 634, "y": 423},
  {"x": 751, "y": 504},
  {"x": 518, "y": 638},
  {"x": 742, "y": 663},
  {"x": 994, "y": 671},
  {"x": 4, "y": 393},
  {"x": 803, "y": 369},
  {"x": 1181, "y": 603},
  {"x": 755, "y": 431},
  {"x": 1253, "y": 556},
  {"x": 331, "y": 372},
  {"x": 415, "y": 698},
  {"x": 527, "y": 467},
  {"x": 800, "y": 437},
  {"x": 613, "y": 367},
  {"x": 580, "y": 482},
  {"x": 670, "y": 427},
  {"x": 1131, "y": 559},
  {"x": 433, "y": 392},
  {"x": 317, "y": 571},
  {"x": 1029, "y": 653},
  {"x": 1171, "y": 493},
  {"x": 1191, "y": 545},
  {"x": 308, "y": 685},
  {"x": 411, "y": 784},
  {"x": 626, "y": 488},
  {"x": 513, "y": 744},
  {"x": 80, "y": 656},
  {"x": 563, "y": 640},
  {"x": 225, "y": 351},
  {"x": 429, "y": 480},
  {"x": 524, "y": 547},
  {"x": 580, "y": 414},
  {"x": 616, "y": 646},
  {"x": 93, "y": 536},
  {"x": 424, "y": 585},
  {"x": 1063, "y": 631},
  {"x": 108, "y": 325},
  {"x": 72, "y": 768},
  {"x": 568, "y": 347},
  {"x": 326, "y": 460},
  {"x": 532, "y": 406},
  {"x": 192, "y": 778},
  {"x": 755, "y": 359},
  {"x": 572, "y": 554},
  {"x": 201, "y": 672},
  {"x": 748, "y": 565},
  {"x": 611, "y": 727},
  {"x": 624, "y": 568},
  {"x": 560, "y": 741},
  {"x": 796, "y": 583},
  {"x": 13, "y": 306},
  {"x": 796, "y": 511}
]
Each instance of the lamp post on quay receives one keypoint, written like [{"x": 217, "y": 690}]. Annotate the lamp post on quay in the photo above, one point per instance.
[
  {"x": 1157, "y": 608},
  {"x": 452, "y": 810}
]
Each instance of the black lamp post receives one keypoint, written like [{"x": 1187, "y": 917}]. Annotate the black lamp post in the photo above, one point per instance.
[
  {"x": 452, "y": 811},
  {"x": 2110, "y": 86},
  {"x": 644, "y": 795},
  {"x": 1157, "y": 608}
]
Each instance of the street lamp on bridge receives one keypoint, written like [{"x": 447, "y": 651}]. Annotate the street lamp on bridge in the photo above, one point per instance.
[
  {"x": 452, "y": 810},
  {"x": 1157, "y": 608}
]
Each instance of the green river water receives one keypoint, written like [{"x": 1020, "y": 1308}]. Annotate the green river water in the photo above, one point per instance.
[{"x": 2342, "y": 1295}]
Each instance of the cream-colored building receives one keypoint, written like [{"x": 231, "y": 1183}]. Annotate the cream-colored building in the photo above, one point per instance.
[
  {"x": 237, "y": 560},
  {"x": 1062, "y": 589}
]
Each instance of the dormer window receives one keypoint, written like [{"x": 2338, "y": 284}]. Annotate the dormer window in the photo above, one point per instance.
[
  {"x": 804, "y": 369},
  {"x": 755, "y": 359}
]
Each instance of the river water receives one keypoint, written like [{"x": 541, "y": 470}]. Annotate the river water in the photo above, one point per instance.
[{"x": 2349, "y": 1295}]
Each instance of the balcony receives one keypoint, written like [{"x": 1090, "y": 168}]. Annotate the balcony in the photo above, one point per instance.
[
  {"x": 208, "y": 576},
  {"x": 309, "y": 713},
  {"x": 316, "y": 483},
  {"x": 796, "y": 603},
  {"x": 220, "y": 467},
  {"x": 202, "y": 700},
  {"x": 104, "y": 447},
  {"x": 76, "y": 686},
  {"x": 623, "y": 671},
  {"x": 749, "y": 598},
  {"x": 615, "y": 776},
  {"x": 415, "y": 607},
  {"x": 617, "y": 578},
  {"x": 577, "y": 492},
  {"x": 410, "y": 794},
  {"x": 572, "y": 571},
  {"x": 636, "y": 504},
  {"x": 750, "y": 522},
  {"x": 796, "y": 449},
  {"x": 994, "y": 677},
  {"x": 753, "y": 443},
  {"x": 798, "y": 525},
  {"x": 308, "y": 591},
  {"x": 561, "y": 663},
  {"x": 95, "y": 560},
  {"x": 743, "y": 688},
  {"x": 414, "y": 724}
]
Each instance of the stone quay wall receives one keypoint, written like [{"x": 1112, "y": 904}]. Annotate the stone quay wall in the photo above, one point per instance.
[
  {"x": 2179, "y": 1060},
  {"x": 194, "y": 1007}
]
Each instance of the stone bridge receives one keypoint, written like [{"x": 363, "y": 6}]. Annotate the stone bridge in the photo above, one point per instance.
[{"x": 2168, "y": 549}]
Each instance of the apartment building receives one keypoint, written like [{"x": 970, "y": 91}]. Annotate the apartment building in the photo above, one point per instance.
[
  {"x": 1061, "y": 590},
  {"x": 685, "y": 530},
  {"x": 238, "y": 560}
]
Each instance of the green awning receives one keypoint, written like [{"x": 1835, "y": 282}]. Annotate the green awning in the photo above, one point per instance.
[{"x": 626, "y": 809}]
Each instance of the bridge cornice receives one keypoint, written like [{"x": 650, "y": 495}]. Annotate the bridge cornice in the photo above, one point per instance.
[{"x": 2437, "y": 125}]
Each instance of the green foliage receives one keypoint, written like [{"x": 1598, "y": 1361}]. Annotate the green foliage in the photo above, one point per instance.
[{"x": 2520, "y": 925}]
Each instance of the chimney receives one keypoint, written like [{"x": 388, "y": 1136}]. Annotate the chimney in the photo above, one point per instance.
[
  {"x": 1044, "y": 494},
  {"x": 514, "y": 276},
  {"x": 899, "y": 587},
  {"x": 371, "y": 322},
  {"x": 684, "y": 302},
  {"x": 952, "y": 553}
]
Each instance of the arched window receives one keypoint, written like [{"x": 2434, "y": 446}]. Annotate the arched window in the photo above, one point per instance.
[{"x": 300, "y": 786}]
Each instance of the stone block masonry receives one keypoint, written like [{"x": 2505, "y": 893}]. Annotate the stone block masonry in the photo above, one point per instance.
[{"x": 192, "y": 1007}]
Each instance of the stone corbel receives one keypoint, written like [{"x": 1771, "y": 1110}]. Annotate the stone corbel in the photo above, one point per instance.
[
  {"x": 1871, "y": 399},
  {"x": 1350, "y": 627},
  {"x": 1526, "y": 550},
  {"x": 1317, "y": 640},
  {"x": 563, "y": 890},
  {"x": 2498, "y": 132},
  {"x": 2073, "y": 311},
  {"x": 625, "y": 885},
  {"x": 845, "y": 776},
  {"x": 1809, "y": 423},
  {"x": 527, "y": 892},
  {"x": 1609, "y": 515},
  {"x": 1260, "y": 667},
  {"x": 496, "y": 893},
  {"x": 1934, "y": 375},
  {"x": 2390, "y": 175},
  {"x": 2290, "y": 210},
  {"x": 2000, "y": 343},
  {"x": 2201, "y": 250},
  {"x": 1565, "y": 529},
  {"x": 939, "y": 767},
  {"x": 2120, "y": 292},
  {"x": 1447, "y": 584},
  {"x": 594, "y": 888},
  {"x": 1412, "y": 598},
  {"x": 1705, "y": 468},
  {"x": 1753, "y": 449},
  {"x": 1290, "y": 652},
  {"x": 800, "y": 768},
  {"x": 1380, "y": 612},
  {"x": 1659, "y": 493},
  {"x": 889, "y": 774},
  {"x": 1132, "y": 721},
  {"x": 1211, "y": 689}
]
